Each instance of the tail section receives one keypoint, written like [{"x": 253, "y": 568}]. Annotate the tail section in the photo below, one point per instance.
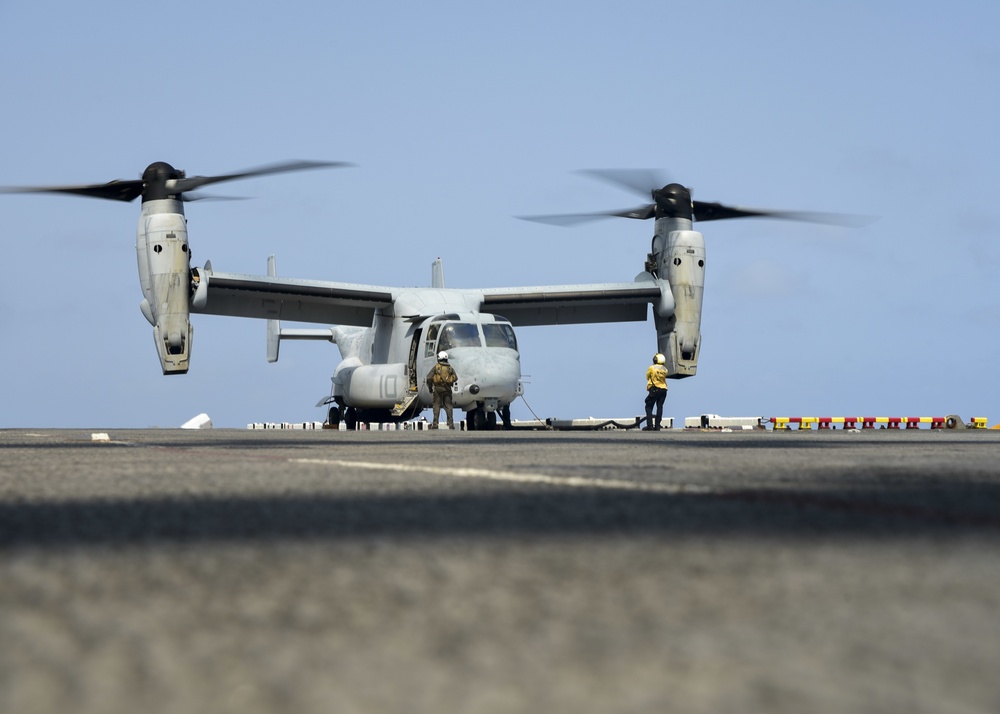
[
  {"x": 275, "y": 334},
  {"x": 437, "y": 274}
]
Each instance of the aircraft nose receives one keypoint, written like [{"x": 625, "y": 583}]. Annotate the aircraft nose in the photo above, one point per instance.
[{"x": 489, "y": 373}]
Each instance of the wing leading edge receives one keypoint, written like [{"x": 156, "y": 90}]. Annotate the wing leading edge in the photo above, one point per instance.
[
  {"x": 331, "y": 303},
  {"x": 574, "y": 304},
  {"x": 273, "y": 298}
]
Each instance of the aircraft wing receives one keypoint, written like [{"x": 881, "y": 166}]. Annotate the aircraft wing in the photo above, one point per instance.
[
  {"x": 573, "y": 304},
  {"x": 297, "y": 300}
]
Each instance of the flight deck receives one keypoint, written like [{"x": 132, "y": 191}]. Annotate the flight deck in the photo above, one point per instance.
[{"x": 494, "y": 571}]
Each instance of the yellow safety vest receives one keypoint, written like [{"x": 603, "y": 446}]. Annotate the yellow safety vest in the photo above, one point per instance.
[{"x": 656, "y": 376}]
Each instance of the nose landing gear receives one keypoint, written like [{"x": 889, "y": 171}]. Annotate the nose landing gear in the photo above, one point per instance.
[
  {"x": 479, "y": 419},
  {"x": 484, "y": 417}
]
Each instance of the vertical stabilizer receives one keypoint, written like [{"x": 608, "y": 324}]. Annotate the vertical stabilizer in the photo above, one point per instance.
[
  {"x": 437, "y": 274},
  {"x": 273, "y": 326}
]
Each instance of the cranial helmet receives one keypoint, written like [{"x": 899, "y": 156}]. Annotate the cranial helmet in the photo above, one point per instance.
[
  {"x": 659, "y": 359},
  {"x": 442, "y": 356}
]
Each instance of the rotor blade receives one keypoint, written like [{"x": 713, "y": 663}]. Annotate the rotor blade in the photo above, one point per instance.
[
  {"x": 189, "y": 197},
  {"x": 572, "y": 219},
  {"x": 565, "y": 220},
  {"x": 119, "y": 190},
  {"x": 187, "y": 184},
  {"x": 705, "y": 211},
  {"x": 640, "y": 181}
]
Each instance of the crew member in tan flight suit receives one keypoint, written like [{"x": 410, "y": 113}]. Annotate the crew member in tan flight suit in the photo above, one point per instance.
[
  {"x": 656, "y": 392},
  {"x": 439, "y": 380}
]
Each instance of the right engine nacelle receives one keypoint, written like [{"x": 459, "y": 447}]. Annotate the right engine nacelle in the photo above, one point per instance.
[{"x": 165, "y": 276}]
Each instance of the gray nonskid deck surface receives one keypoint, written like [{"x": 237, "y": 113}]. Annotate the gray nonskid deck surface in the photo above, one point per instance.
[{"x": 254, "y": 571}]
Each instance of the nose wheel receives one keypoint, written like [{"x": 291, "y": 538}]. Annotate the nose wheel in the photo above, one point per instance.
[{"x": 479, "y": 419}]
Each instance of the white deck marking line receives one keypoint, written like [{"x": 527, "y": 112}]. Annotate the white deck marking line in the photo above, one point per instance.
[{"x": 517, "y": 477}]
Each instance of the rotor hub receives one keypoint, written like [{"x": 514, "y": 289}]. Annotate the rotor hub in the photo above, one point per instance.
[
  {"x": 154, "y": 181},
  {"x": 673, "y": 201},
  {"x": 160, "y": 171}
]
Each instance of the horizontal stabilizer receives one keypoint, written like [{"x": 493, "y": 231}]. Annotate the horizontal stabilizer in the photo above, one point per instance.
[{"x": 275, "y": 335}]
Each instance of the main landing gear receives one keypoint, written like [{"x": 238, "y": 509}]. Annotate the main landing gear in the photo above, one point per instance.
[{"x": 349, "y": 415}]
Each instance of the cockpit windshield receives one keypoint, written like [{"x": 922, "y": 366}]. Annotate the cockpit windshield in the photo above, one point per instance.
[
  {"x": 459, "y": 334},
  {"x": 499, "y": 334}
]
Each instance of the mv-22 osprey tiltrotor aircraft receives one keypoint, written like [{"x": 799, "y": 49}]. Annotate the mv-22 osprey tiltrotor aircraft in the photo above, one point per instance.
[{"x": 388, "y": 337}]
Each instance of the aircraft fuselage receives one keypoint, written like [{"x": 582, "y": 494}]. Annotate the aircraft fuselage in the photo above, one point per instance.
[{"x": 384, "y": 363}]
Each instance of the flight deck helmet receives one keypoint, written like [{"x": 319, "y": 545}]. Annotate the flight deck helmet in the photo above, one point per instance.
[
  {"x": 659, "y": 358},
  {"x": 442, "y": 356}
]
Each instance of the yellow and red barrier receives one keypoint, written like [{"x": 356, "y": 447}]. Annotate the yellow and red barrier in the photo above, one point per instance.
[{"x": 873, "y": 422}]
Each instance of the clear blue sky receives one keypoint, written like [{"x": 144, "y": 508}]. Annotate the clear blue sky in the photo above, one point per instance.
[{"x": 460, "y": 117}]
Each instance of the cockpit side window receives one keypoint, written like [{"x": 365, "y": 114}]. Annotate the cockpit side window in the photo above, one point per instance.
[
  {"x": 459, "y": 334},
  {"x": 432, "y": 334},
  {"x": 499, "y": 334}
]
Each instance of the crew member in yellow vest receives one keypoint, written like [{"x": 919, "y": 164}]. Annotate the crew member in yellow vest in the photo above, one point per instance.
[
  {"x": 440, "y": 380},
  {"x": 656, "y": 392}
]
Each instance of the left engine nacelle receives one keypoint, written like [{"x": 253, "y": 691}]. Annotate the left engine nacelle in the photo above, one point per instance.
[
  {"x": 680, "y": 255},
  {"x": 164, "y": 260}
]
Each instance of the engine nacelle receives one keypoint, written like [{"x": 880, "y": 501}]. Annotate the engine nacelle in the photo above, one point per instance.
[
  {"x": 164, "y": 260},
  {"x": 681, "y": 260}
]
